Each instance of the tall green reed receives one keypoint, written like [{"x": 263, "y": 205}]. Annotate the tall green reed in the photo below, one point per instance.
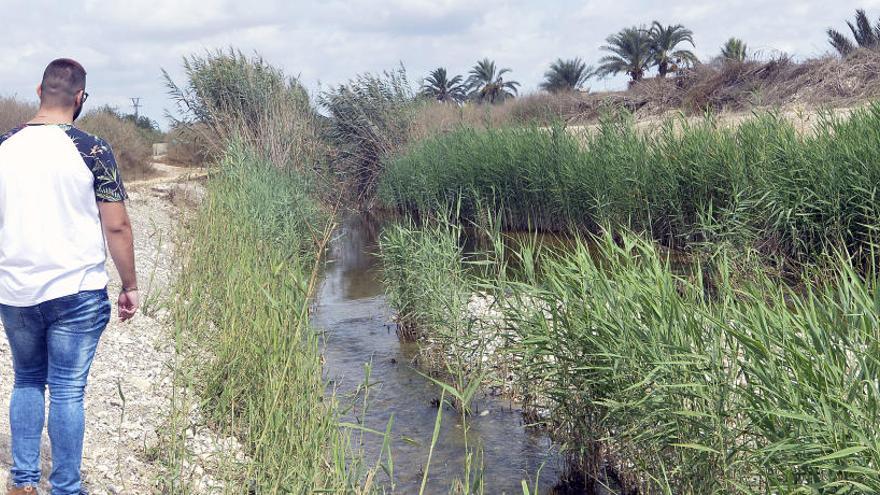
[
  {"x": 679, "y": 384},
  {"x": 242, "y": 330},
  {"x": 760, "y": 185},
  {"x": 430, "y": 287},
  {"x": 425, "y": 277},
  {"x": 228, "y": 97},
  {"x": 370, "y": 118}
]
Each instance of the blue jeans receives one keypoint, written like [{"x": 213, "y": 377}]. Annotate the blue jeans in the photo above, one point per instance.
[{"x": 53, "y": 343}]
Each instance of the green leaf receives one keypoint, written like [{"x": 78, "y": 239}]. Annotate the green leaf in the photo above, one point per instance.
[
  {"x": 839, "y": 454},
  {"x": 696, "y": 446}
]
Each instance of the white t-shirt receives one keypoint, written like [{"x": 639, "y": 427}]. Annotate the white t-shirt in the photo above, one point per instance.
[{"x": 51, "y": 241}]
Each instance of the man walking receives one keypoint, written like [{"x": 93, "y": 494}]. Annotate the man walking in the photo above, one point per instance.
[{"x": 60, "y": 195}]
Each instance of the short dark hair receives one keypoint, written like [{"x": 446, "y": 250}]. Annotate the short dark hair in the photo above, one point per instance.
[{"x": 62, "y": 79}]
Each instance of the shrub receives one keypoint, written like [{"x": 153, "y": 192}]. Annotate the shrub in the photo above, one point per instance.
[
  {"x": 187, "y": 147},
  {"x": 370, "y": 119},
  {"x": 131, "y": 146},
  {"x": 15, "y": 112},
  {"x": 229, "y": 97}
]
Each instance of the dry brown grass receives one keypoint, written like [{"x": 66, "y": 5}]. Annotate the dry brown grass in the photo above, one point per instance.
[
  {"x": 780, "y": 82},
  {"x": 434, "y": 117},
  {"x": 186, "y": 147},
  {"x": 132, "y": 148},
  {"x": 14, "y": 112}
]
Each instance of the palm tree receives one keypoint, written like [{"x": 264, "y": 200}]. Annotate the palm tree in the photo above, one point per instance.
[
  {"x": 734, "y": 49},
  {"x": 631, "y": 54},
  {"x": 866, "y": 35},
  {"x": 664, "y": 39},
  {"x": 566, "y": 75},
  {"x": 438, "y": 86},
  {"x": 487, "y": 84}
]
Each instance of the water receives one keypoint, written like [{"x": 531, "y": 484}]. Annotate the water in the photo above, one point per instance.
[{"x": 351, "y": 309}]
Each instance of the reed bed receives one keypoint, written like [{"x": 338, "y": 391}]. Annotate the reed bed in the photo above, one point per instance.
[
  {"x": 752, "y": 387},
  {"x": 675, "y": 381},
  {"x": 14, "y": 112},
  {"x": 241, "y": 316},
  {"x": 760, "y": 185}
]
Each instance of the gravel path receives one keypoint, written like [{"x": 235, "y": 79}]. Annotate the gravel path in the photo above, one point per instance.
[{"x": 133, "y": 358}]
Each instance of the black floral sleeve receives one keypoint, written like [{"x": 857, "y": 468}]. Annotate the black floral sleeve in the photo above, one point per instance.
[
  {"x": 98, "y": 157},
  {"x": 11, "y": 132}
]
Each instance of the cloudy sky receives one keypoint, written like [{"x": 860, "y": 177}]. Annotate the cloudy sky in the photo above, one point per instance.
[{"x": 125, "y": 44}]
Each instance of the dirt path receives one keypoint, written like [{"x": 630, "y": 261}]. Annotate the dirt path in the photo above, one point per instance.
[
  {"x": 165, "y": 174},
  {"x": 132, "y": 358}
]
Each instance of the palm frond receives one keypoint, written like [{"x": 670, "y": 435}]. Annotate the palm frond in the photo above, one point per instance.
[
  {"x": 440, "y": 87},
  {"x": 840, "y": 42},
  {"x": 864, "y": 35},
  {"x": 734, "y": 49},
  {"x": 664, "y": 40}
]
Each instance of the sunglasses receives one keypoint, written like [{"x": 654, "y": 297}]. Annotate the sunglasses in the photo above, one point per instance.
[{"x": 85, "y": 97}]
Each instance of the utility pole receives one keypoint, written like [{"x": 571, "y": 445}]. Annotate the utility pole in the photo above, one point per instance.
[{"x": 136, "y": 103}]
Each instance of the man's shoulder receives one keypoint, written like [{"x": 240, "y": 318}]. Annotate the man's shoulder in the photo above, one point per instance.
[
  {"x": 89, "y": 145},
  {"x": 80, "y": 136},
  {"x": 11, "y": 132}
]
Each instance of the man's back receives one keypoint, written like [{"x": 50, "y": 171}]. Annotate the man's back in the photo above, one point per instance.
[
  {"x": 60, "y": 196},
  {"x": 51, "y": 242}
]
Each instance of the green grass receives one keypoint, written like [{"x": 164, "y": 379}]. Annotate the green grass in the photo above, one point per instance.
[
  {"x": 245, "y": 346},
  {"x": 681, "y": 382},
  {"x": 761, "y": 184},
  {"x": 424, "y": 269}
]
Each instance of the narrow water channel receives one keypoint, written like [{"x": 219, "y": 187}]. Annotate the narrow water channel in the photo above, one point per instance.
[{"x": 358, "y": 327}]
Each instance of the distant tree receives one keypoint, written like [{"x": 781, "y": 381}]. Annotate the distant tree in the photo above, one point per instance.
[
  {"x": 566, "y": 75},
  {"x": 865, "y": 35},
  {"x": 631, "y": 53},
  {"x": 440, "y": 87},
  {"x": 734, "y": 49},
  {"x": 664, "y": 40},
  {"x": 142, "y": 122},
  {"x": 486, "y": 83}
]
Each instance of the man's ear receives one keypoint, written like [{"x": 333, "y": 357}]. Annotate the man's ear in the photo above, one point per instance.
[{"x": 39, "y": 90}]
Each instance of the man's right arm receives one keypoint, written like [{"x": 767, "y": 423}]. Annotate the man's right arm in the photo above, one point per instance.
[{"x": 120, "y": 243}]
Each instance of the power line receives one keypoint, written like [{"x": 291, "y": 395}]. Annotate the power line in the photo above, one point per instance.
[{"x": 136, "y": 103}]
